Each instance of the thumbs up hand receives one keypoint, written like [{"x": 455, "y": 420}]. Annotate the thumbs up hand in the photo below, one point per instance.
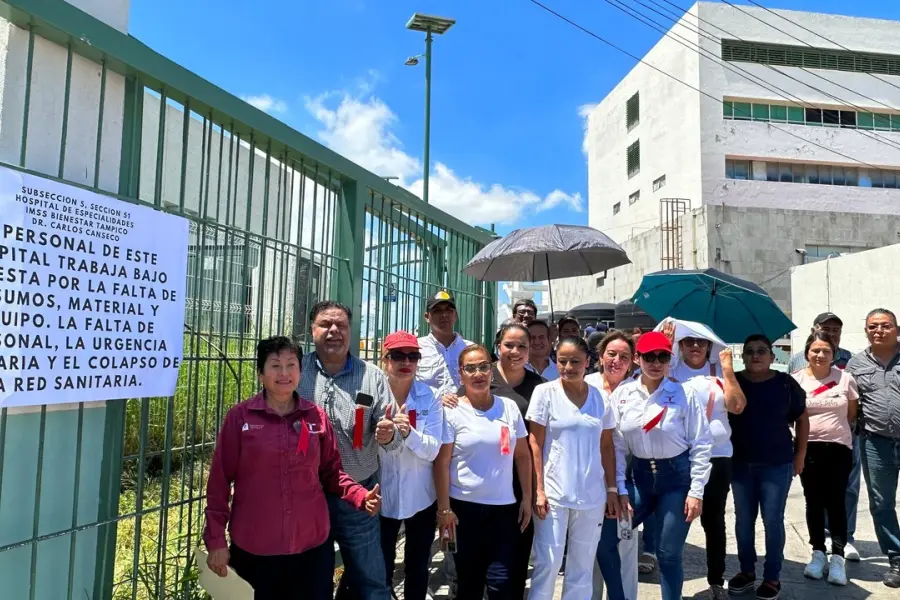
[
  {"x": 384, "y": 431},
  {"x": 401, "y": 420},
  {"x": 373, "y": 500}
]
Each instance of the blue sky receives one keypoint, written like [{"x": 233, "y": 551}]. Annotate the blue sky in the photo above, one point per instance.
[{"x": 509, "y": 81}]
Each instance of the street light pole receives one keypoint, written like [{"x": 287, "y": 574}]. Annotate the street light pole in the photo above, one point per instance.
[
  {"x": 427, "y": 166},
  {"x": 431, "y": 26}
]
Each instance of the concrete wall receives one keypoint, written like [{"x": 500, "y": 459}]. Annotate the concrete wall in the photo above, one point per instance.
[
  {"x": 55, "y": 474},
  {"x": 849, "y": 286},
  {"x": 669, "y": 135}
]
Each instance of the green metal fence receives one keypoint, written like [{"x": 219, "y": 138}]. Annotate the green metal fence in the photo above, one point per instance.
[{"x": 105, "y": 500}]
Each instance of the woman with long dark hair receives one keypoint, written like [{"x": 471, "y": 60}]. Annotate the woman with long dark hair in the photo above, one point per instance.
[{"x": 573, "y": 452}]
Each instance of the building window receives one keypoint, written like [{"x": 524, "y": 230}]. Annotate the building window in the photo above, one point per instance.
[
  {"x": 632, "y": 198},
  {"x": 633, "y": 111},
  {"x": 659, "y": 182},
  {"x": 617, "y": 207},
  {"x": 600, "y": 281},
  {"x": 809, "y": 116},
  {"x": 810, "y": 58},
  {"x": 816, "y": 174},
  {"x": 815, "y": 253},
  {"x": 633, "y": 159},
  {"x": 737, "y": 169}
]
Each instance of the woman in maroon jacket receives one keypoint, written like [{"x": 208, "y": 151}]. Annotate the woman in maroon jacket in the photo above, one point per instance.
[{"x": 279, "y": 452}]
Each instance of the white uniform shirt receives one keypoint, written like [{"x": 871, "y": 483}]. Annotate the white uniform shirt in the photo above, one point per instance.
[
  {"x": 407, "y": 473},
  {"x": 595, "y": 380},
  {"x": 551, "y": 373},
  {"x": 573, "y": 468},
  {"x": 702, "y": 383},
  {"x": 439, "y": 365},
  {"x": 683, "y": 426},
  {"x": 479, "y": 471}
]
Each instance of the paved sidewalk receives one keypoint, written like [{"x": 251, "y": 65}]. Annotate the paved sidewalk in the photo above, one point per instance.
[{"x": 865, "y": 576}]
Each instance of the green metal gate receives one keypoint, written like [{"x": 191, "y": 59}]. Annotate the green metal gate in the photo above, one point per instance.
[{"x": 105, "y": 501}]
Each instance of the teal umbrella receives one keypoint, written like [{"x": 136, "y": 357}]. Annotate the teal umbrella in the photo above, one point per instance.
[{"x": 734, "y": 308}]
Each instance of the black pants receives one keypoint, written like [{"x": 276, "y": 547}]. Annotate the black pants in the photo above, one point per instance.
[
  {"x": 519, "y": 574},
  {"x": 715, "y": 496},
  {"x": 486, "y": 540},
  {"x": 308, "y": 575},
  {"x": 824, "y": 478},
  {"x": 420, "y": 532}
]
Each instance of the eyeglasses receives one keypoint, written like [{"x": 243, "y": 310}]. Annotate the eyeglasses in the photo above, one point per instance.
[
  {"x": 692, "y": 341},
  {"x": 757, "y": 352},
  {"x": 654, "y": 357},
  {"x": 397, "y": 356},
  {"x": 526, "y": 312},
  {"x": 880, "y": 326},
  {"x": 472, "y": 369}
]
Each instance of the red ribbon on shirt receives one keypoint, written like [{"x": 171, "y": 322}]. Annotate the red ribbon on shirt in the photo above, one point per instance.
[
  {"x": 303, "y": 440},
  {"x": 358, "y": 427},
  {"x": 412, "y": 418},
  {"x": 655, "y": 420},
  {"x": 712, "y": 398},
  {"x": 504, "y": 440},
  {"x": 824, "y": 388}
]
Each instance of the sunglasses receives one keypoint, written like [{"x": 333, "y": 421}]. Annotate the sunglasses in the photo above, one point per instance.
[
  {"x": 397, "y": 356},
  {"x": 758, "y": 352},
  {"x": 692, "y": 341},
  {"x": 654, "y": 357},
  {"x": 472, "y": 369}
]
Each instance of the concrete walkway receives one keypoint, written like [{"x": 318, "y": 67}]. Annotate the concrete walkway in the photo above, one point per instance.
[{"x": 865, "y": 576}]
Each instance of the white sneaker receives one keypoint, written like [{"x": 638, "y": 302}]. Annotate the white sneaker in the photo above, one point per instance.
[
  {"x": 850, "y": 552},
  {"x": 837, "y": 574},
  {"x": 816, "y": 567}
]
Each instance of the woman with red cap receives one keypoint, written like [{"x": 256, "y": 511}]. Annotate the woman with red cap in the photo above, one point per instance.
[
  {"x": 407, "y": 482},
  {"x": 663, "y": 426}
]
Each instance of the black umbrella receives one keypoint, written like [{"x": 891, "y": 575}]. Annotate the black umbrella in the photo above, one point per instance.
[{"x": 545, "y": 253}]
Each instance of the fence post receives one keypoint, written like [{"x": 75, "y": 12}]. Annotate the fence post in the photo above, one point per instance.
[{"x": 350, "y": 236}]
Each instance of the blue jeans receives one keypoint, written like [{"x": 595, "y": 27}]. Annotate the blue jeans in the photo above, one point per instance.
[
  {"x": 853, "y": 489},
  {"x": 359, "y": 537},
  {"x": 760, "y": 488},
  {"x": 881, "y": 465},
  {"x": 660, "y": 489},
  {"x": 649, "y": 535}
]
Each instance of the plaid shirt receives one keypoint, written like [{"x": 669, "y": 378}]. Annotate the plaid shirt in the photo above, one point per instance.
[{"x": 336, "y": 394}]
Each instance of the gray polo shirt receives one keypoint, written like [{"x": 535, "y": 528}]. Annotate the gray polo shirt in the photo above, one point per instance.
[
  {"x": 337, "y": 395},
  {"x": 879, "y": 393}
]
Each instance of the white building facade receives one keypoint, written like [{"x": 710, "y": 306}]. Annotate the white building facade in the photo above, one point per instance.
[
  {"x": 519, "y": 290},
  {"x": 783, "y": 147}
]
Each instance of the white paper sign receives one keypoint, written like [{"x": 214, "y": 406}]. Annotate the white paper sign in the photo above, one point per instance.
[{"x": 91, "y": 295}]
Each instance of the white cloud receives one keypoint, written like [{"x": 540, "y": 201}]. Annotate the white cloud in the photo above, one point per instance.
[
  {"x": 585, "y": 111},
  {"x": 266, "y": 103},
  {"x": 361, "y": 129}
]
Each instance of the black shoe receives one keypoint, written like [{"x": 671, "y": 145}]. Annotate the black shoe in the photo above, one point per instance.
[
  {"x": 741, "y": 583},
  {"x": 768, "y": 590},
  {"x": 562, "y": 567},
  {"x": 892, "y": 576}
]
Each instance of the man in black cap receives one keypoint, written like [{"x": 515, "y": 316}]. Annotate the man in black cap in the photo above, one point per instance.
[
  {"x": 831, "y": 324},
  {"x": 439, "y": 365}
]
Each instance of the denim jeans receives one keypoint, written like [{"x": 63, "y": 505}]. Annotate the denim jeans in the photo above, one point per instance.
[
  {"x": 649, "y": 535},
  {"x": 881, "y": 465},
  {"x": 853, "y": 489},
  {"x": 661, "y": 488},
  {"x": 420, "y": 531},
  {"x": 760, "y": 488},
  {"x": 359, "y": 538},
  {"x": 486, "y": 539}
]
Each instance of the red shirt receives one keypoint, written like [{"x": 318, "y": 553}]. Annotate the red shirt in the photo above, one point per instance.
[{"x": 278, "y": 506}]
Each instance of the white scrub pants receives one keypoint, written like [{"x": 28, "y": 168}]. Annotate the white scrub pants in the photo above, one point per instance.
[
  {"x": 581, "y": 528},
  {"x": 628, "y": 552}
]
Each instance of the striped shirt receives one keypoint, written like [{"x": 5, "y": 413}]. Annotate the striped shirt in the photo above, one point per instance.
[{"x": 337, "y": 395}]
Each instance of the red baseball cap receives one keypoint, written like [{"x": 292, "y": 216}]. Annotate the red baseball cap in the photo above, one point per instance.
[
  {"x": 400, "y": 339},
  {"x": 653, "y": 342}
]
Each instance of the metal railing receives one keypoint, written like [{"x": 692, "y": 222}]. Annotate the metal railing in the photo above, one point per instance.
[{"x": 106, "y": 501}]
